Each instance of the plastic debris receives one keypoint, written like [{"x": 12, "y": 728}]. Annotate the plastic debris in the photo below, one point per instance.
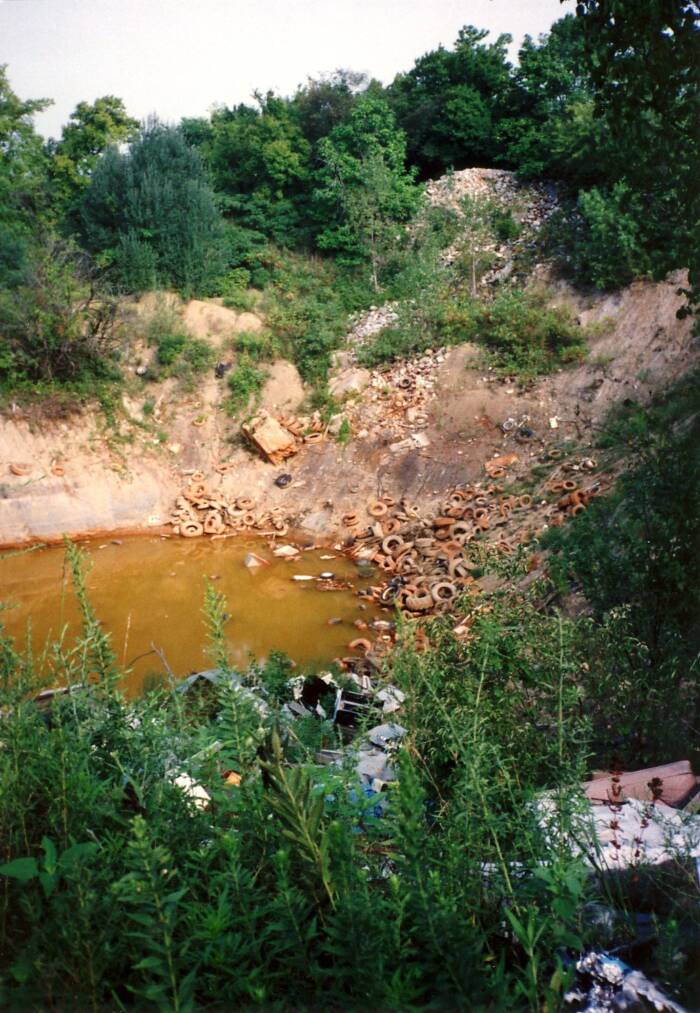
[
  {"x": 391, "y": 698},
  {"x": 386, "y": 735},
  {"x": 633, "y": 833},
  {"x": 606, "y": 985},
  {"x": 199, "y": 795}
]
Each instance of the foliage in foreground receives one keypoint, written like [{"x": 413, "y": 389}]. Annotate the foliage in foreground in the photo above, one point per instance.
[
  {"x": 636, "y": 555},
  {"x": 296, "y": 890}
]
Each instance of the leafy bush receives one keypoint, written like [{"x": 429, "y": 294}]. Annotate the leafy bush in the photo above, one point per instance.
[
  {"x": 307, "y": 305},
  {"x": 637, "y": 557},
  {"x": 57, "y": 327},
  {"x": 170, "y": 347},
  {"x": 257, "y": 345},
  {"x": 601, "y": 241},
  {"x": 245, "y": 381},
  {"x": 117, "y": 888},
  {"x": 521, "y": 332},
  {"x": 524, "y": 334},
  {"x": 177, "y": 352},
  {"x": 504, "y": 225}
]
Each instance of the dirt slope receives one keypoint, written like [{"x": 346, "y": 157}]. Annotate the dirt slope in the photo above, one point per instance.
[{"x": 417, "y": 429}]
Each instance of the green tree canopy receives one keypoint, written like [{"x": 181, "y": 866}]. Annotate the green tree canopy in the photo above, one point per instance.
[
  {"x": 450, "y": 102},
  {"x": 644, "y": 59},
  {"x": 150, "y": 213},
  {"x": 364, "y": 190},
  {"x": 92, "y": 127}
]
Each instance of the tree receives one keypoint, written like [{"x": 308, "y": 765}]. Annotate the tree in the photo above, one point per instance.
[
  {"x": 451, "y": 101},
  {"x": 91, "y": 129},
  {"x": 550, "y": 128},
  {"x": 644, "y": 61},
  {"x": 260, "y": 163},
  {"x": 22, "y": 179},
  {"x": 364, "y": 191},
  {"x": 151, "y": 214},
  {"x": 326, "y": 102},
  {"x": 56, "y": 324}
]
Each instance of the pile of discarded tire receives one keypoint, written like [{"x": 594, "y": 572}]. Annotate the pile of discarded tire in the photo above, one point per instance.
[{"x": 198, "y": 511}]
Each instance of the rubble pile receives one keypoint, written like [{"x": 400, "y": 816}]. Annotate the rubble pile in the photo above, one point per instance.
[
  {"x": 366, "y": 325},
  {"x": 198, "y": 511},
  {"x": 532, "y": 203},
  {"x": 396, "y": 400},
  {"x": 431, "y": 559},
  {"x": 277, "y": 437}
]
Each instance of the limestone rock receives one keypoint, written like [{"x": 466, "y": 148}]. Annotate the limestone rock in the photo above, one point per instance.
[
  {"x": 283, "y": 390},
  {"x": 349, "y": 381}
]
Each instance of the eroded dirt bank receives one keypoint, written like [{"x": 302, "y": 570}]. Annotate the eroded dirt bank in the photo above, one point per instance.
[{"x": 417, "y": 429}]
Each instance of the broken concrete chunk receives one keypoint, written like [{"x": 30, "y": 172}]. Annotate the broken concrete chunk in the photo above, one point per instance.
[
  {"x": 286, "y": 551},
  {"x": 269, "y": 438}
]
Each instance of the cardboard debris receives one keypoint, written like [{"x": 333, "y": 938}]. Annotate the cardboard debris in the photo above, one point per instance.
[
  {"x": 620, "y": 836},
  {"x": 674, "y": 784},
  {"x": 270, "y": 439}
]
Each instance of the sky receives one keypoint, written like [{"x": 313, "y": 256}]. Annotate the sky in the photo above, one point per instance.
[{"x": 179, "y": 58}]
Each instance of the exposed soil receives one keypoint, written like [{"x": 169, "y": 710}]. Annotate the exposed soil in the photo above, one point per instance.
[{"x": 83, "y": 475}]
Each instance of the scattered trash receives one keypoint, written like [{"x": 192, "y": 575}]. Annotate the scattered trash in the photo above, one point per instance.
[
  {"x": 391, "y": 698},
  {"x": 270, "y": 439},
  {"x": 606, "y": 984},
  {"x": 303, "y": 576},
  {"x": 612, "y": 837},
  {"x": 252, "y": 561},
  {"x": 554, "y": 422},
  {"x": 383, "y": 735},
  {"x": 283, "y": 480},
  {"x": 221, "y": 369},
  {"x": 326, "y": 575},
  {"x": 199, "y": 795},
  {"x": 350, "y": 707},
  {"x": 496, "y": 467}
]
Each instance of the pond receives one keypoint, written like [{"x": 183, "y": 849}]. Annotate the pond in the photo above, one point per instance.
[{"x": 149, "y": 592}]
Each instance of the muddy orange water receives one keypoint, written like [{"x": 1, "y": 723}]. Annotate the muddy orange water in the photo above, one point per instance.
[{"x": 150, "y": 591}]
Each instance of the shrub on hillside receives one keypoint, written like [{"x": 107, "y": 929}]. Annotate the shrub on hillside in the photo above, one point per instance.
[
  {"x": 150, "y": 214},
  {"x": 57, "y": 328},
  {"x": 524, "y": 334},
  {"x": 601, "y": 239}
]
